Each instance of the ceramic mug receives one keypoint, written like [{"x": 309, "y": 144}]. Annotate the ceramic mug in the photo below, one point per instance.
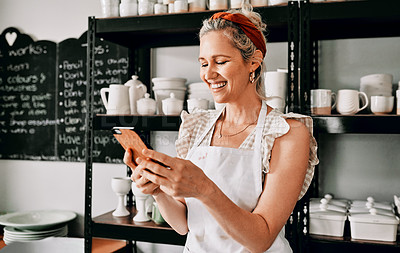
[
  {"x": 321, "y": 101},
  {"x": 382, "y": 104},
  {"x": 199, "y": 103},
  {"x": 348, "y": 101},
  {"x": 118, "y": 99},
  {"x": 217, "y": 4}
]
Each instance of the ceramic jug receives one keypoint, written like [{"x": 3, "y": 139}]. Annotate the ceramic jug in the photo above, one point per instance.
[
  {"x": 136, "y": 91},
  {"x": 118, "y": 99}
]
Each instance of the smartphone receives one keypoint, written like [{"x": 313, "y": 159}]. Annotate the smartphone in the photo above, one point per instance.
[{"x": 129, "y": 139}]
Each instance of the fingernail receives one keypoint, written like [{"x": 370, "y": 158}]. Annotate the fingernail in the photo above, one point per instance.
[
  {"x": 145, "y": 152},
  {"x": 138, "y": 160}
]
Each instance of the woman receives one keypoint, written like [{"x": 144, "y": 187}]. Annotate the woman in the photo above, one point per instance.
[{"x": 240, "y": 170}]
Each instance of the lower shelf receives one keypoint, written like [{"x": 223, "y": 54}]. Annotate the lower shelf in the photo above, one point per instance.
[
  {"x": 108, "y": 226},
  {"x": 345, "y": 244}
]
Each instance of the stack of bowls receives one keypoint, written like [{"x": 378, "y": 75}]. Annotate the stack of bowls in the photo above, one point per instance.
[
  {"x": 376, "y": 85},
  {"x": 164, "y": 86},
  {"x": 200, "y": 90}
]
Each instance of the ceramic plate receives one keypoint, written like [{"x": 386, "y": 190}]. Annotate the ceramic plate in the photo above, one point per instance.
[{"x": 36, "y": 220}]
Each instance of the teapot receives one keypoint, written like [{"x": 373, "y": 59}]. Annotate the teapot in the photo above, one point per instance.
[{"x": 136, "y": 91}]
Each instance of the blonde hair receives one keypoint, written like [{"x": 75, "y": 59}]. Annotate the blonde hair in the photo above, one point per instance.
[{"x": 240, "y": 40}]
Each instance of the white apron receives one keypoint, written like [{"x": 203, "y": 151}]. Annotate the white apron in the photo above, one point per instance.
[{"x": 238, "y": 173}]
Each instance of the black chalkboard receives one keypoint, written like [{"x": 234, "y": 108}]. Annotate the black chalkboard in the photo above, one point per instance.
[
  {"x": 43, "y": 97},
  {"x": 111, "y": 64},
  {"x": 27, "y": 97}
]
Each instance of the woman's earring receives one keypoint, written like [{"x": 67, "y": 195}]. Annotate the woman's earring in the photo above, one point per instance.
[{"x": 252, "y": 77}]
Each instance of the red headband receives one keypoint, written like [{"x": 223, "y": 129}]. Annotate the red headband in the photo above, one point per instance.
[{"x": 247, "y": 27}]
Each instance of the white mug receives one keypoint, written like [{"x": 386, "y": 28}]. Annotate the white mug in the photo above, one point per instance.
[
  {"x": 118, "y": 99},
  {"x": 321, "y": 101},
  {"x": 382, "y": 104},
  {"x": 348, "y": 101}
]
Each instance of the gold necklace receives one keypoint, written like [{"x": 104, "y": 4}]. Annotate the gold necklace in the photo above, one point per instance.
[{"x": 230, "y": 135}]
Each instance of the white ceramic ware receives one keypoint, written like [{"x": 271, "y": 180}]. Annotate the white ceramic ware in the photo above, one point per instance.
[
  {"x": 199, "y": 103},
  {"x": 146, "y": 105},
  {"x": 168, "y": 82},
  {"x": 118, "y": 99},
  {"x": 327, "y": 222},
  {"x": 140, "y": 201},
  {"x": 382, "y": 104},
  {"x": 181, "y": 6},
  {"x": 398, "y": 101},
  {"x": 258, "y": 3},
  {"x": 348, "y": 101},
  {"x": 160, "y": 8},
  {"x": 217, "y": 4},
  {"x": 277, "y": 2},
  {"x": 128, "y": 8},
  {"x": 373, "y": 226},
  {"x": 172, "y": 106},
  {"x": 276, "y": 89},
  {"x": 322, "y": 101},
  {"x": 36, "y": 220},
  {"x": 136, "y": 91},
  {"x": 109, "y": 8},
  {"x": 377, "y": 79},
  {"x": 197, "y": 5},
  {"x": 161, "y": 94},
  {"x": 121, "y": 187},
  {"x": 145, "y": 7}
]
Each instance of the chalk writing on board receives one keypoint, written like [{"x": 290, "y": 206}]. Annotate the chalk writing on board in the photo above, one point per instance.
[{"x": 43, "y": 97}]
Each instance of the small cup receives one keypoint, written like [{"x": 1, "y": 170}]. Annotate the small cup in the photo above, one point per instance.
[
  {"x": 381, "y": 104},
  {"x": 258, "y": 3},
  {"x": 348, "y": 101},
  {"x": 145, "y": 8},
  {"x": 181, "y": 6},
  {"x": 171, "y": 8},
  {"x": 128, "y": 9},
  {"x": 172, "y": 106},
  {"x": 109, "y": 8},
  {"x": 160, "y": 9},
  {"x": 197, "y": 5},
  {"x": 322, "y": 101}
]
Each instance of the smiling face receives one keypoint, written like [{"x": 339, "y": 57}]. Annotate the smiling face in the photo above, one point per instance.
[{"x": 223, "y": 69}]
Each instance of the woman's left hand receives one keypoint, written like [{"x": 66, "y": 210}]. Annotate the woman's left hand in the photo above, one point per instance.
[{"x": 176, "y": 177}]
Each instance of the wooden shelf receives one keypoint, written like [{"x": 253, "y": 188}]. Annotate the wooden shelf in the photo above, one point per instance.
[
  {"x": 327, "y": 244},
  {"x": 108, "y": 226},
  {"x": 358, "y": 124}
]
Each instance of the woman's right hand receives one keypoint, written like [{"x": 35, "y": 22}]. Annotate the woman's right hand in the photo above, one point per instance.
[{"x": 145, "y": 186}]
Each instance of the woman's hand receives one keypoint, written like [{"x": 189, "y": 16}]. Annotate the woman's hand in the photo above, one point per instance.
[
  {"x": 176, "y": 177},
  {"x": 142, "y": 183}
]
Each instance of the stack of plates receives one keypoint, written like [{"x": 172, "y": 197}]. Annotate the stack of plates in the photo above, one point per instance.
[
  {"x": 16, "y": 235},
  {"x": 201, "y": 90},
  {"x": 35, "y": 225}
]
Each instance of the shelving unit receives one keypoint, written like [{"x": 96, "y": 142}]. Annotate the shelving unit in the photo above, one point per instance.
[
  {"x": 139, "y": 34},
  {"x": 309, "y": 24},
  {"x": 345, "y": 20}
]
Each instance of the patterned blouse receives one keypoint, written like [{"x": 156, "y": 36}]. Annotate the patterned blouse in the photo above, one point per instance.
[{"x": 194, "y": 124}]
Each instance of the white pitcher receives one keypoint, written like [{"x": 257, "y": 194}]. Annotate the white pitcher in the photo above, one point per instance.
[
  {"x": 118, "y": 99},
  {"x": 136, "y": 91}
]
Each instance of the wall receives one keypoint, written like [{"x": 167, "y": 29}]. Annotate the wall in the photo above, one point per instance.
[{"x": 352, "y": 166}]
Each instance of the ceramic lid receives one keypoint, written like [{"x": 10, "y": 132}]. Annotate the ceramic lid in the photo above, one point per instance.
[
  {"x": 172, "y": 98},
  {"x": 146, "y": 99},
  {"x": 323, "y": 212},
  {"x": 374, "y": 217},
  {"x": 134, "y": 81}
]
